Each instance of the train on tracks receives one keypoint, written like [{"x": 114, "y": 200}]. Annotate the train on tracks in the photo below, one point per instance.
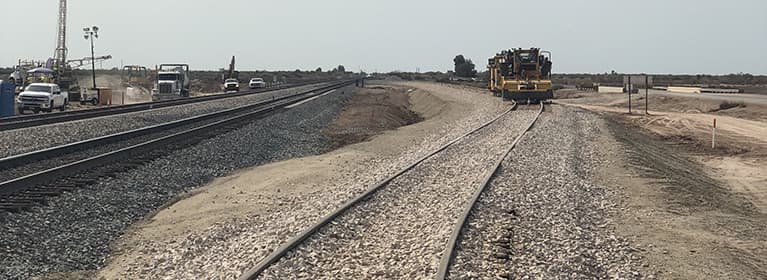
[{"x": 521, "y": 75}]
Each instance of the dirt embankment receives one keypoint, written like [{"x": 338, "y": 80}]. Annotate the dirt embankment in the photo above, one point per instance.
[{"x": 371, "y": 111}]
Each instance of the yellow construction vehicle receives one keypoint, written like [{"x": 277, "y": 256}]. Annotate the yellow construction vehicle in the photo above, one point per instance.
[
  {"x": 522, "y": 75},
  {"x": 493, "y": 67}
]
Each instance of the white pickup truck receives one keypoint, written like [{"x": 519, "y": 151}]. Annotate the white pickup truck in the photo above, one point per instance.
[
  {"x": 231, "y": 85},
  {"x": 257, "y": 83},
  {"x": 41, "y": 97}
]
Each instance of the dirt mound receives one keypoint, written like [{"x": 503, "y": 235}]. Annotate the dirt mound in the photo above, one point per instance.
[{"x": 369, "y": 112}]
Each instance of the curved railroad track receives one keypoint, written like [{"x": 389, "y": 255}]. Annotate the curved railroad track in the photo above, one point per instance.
[
  {"x": 449, "y": 254},
  {"x": 27, "y": 179},
  {"x": 24, "y": 121},
  {"x": 321, "y": 229}
]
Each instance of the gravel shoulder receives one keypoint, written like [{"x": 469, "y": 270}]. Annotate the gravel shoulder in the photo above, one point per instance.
[{"x": 257, "y": 209}]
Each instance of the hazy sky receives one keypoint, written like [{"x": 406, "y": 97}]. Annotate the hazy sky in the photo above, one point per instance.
[{"x": 653, "y": 36}]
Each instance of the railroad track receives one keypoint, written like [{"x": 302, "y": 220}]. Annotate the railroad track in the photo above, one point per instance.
[
  {"x": 28, "y": 179},
  {"x": 24, "y": 121},
  {"x": 449, "y": 254},
  {"x": 321, "y": 229}
]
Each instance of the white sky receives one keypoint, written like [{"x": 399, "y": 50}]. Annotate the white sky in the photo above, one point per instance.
[{"x": 653, "y": 36}]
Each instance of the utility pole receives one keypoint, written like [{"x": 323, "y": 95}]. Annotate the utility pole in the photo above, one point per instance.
[{"x": 92, "y": 33}]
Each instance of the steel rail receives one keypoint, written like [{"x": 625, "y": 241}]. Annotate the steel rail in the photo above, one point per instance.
[
  {"x": 281, "y": 251},
  {"x": 449, "y": 253}
]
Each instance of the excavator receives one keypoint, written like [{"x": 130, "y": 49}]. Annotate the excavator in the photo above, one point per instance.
[{"x": 521, "y": 75}]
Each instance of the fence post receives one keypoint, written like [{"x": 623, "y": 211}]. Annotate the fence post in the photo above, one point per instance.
[
  {"x": 629, "y": 92},
  {"x": 713, "y": 135},
  {"x": 646, "y": 93}
]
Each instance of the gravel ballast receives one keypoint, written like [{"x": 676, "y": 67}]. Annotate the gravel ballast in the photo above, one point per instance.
[
  {"x": 401, "y": 231},
  {"x": 74, "y": 232},
  {"x": 24, "y": 140},
  {"x": 542, "y": 217},
  {"x": 227, "y": 249}
]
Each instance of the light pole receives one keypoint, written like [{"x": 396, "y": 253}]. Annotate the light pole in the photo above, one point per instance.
[{"x": 91, "y": 33}]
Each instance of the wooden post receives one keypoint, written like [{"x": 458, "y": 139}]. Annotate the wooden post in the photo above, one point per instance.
[
  {"x": 629, "y": 92},
  {"x": 646, "y": 93},
  {"x": 713, "y": 135}
]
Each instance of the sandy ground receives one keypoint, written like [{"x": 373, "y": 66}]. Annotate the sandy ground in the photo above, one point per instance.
[
  {"x": 741, "y": 136},
  {"x": 694, "y": 212},
  {"x": 259, "y": 190}
]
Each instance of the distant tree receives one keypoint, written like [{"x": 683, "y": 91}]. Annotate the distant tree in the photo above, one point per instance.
[
  {"x": 341, "y": 69},
  {"x": 319, "y": 69},
  {"x": 464, "y": 67}
]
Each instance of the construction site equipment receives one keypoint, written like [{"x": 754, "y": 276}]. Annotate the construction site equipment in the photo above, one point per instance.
[
  {"x": 522, "y": 74},
  {"x": 493, "y": 66},
  {"x": 63, "y": 69},
  {"x": 104, "y": 96},
  {"x": 64, "y": 76},
  {"x": 172, "y": 82},
  {"x": 231, "y": 78},
  {"x": 19, "y": 76},
  {"x": 136, "y": 76},
  {"x": 77, "y": 63},
  {"x": 231, "y": 73},
  {"x": 60, "y": 55}
]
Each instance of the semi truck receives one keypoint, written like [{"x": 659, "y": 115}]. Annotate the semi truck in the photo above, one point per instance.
[{"x": 172, "y": 82}]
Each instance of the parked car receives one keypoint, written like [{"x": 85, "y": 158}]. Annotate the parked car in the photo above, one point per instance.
[
  {"x": 231, "y": 85},
  {"x": 257, "y": 83},
  {"x": 41, "y": 97}
]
